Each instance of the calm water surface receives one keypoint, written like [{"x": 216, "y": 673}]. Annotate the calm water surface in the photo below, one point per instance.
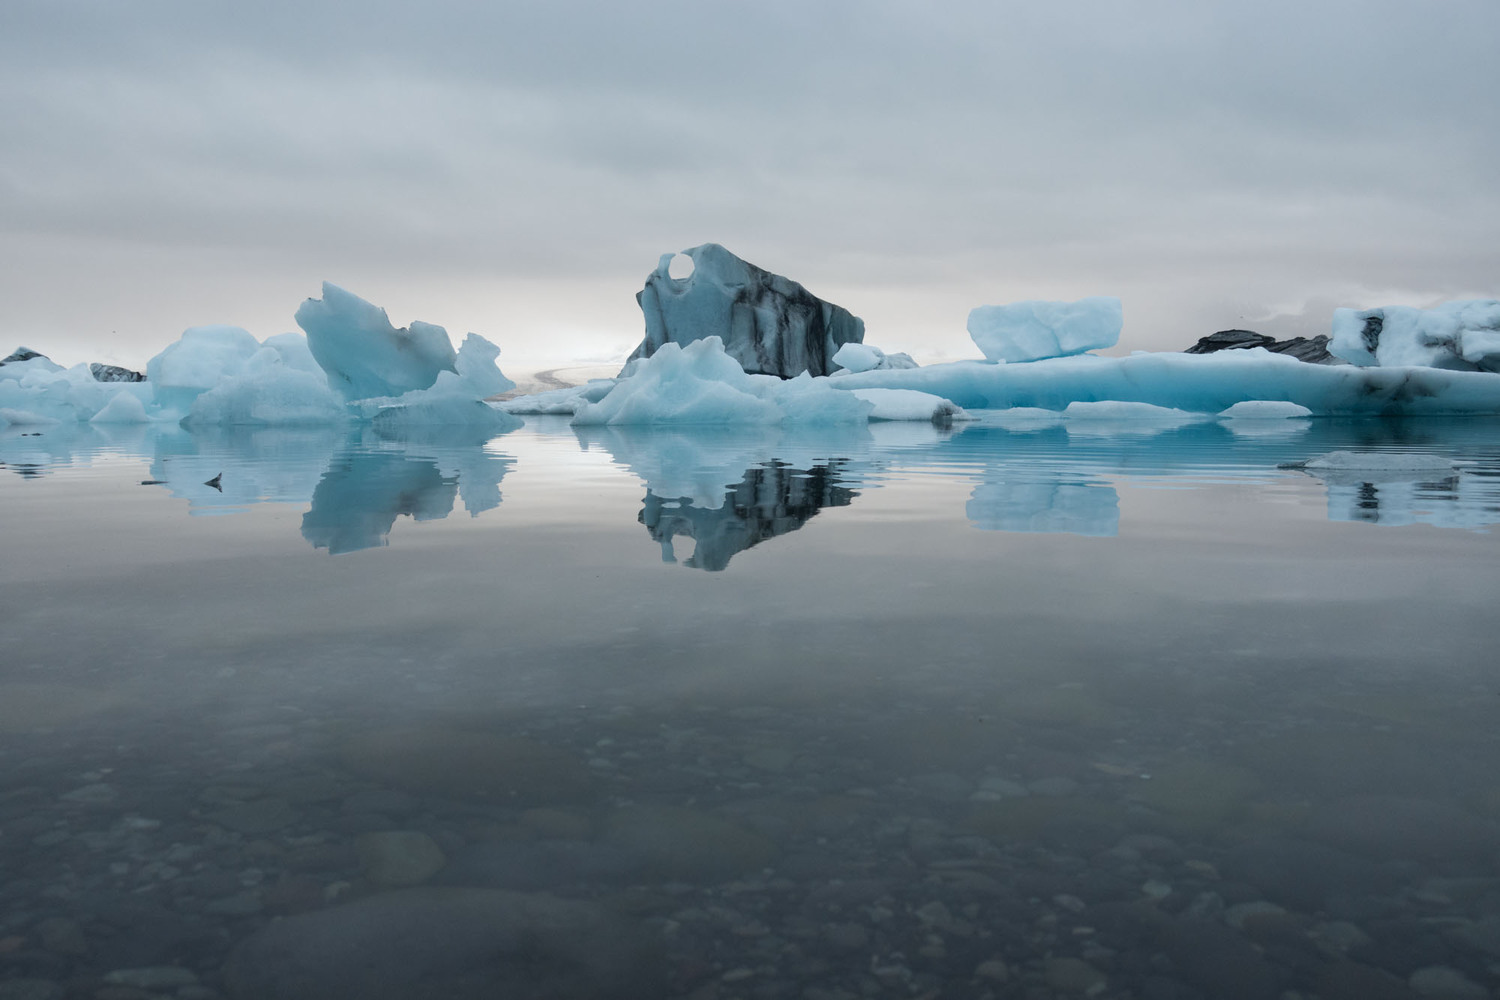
[{"x": 1097, "y": 710}]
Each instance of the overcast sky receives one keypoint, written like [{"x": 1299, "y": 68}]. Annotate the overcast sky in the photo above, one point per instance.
[{"x": 516, "y": 169}]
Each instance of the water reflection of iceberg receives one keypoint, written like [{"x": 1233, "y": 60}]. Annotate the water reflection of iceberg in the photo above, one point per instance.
[
  {"x": 1046, "y": 504},
  {"x": 356, "y": 503},
  {"x": 364, "y": 489},
  {"x": 1467, "y": 500},
  {"x": 248, "y": 465},
  {"x": 772, "y": 499},
  {"x": 699, "y": 463}
]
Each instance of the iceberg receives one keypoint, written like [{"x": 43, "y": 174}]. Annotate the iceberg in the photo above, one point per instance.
[
  {"x": 222, "y": 376},
  {"x": 267, "y": 392},
  {"x": 196, "y": 362},
  {"x": 122, "y": 409},
  {"x": 1207, "y": 383},
  {"x": 1032, "y": 331},
  {"x": 455, "y": 399},
  {"x": 363, "y": 354},
  {"x": 909, "y": 404},
  {"x": 48, "y": 392},
  {"x": 1264, "y": 409},
  {"x": 701, "y": 384},
  {"x": 768, "y": 324},
  {"x": 854, "y": 357},
  {"x": 1463, "y": 336}
]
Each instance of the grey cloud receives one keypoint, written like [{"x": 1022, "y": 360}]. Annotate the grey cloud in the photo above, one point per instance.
[{"x": 1238, "y": 153}]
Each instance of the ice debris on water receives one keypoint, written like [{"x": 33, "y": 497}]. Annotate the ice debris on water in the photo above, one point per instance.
[{"x": 1370, "y": 461}]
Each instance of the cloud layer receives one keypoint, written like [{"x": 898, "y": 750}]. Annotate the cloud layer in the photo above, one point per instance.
[{"x": 517, "y": 168}]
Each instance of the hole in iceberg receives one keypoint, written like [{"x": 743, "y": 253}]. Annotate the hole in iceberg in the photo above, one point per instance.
[{"x": 680, "y": 267}]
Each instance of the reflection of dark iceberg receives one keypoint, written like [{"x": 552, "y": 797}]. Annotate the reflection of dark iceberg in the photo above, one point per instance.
[
  {"x": 356, "y": 503},
  {"x": 771, "y": 500},
  {"x": 1050, "y": 504},
  {"x": 1468, "y": 500}
]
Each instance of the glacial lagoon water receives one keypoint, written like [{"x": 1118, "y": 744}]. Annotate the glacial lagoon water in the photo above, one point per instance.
[{"x": 1102, "y": 710}]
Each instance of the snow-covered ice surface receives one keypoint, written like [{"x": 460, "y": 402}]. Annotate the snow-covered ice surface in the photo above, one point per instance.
[
  {"x": 599, "y": 679},
  {"x": 1029, "y": 331},
  {"x": 1462, "y": 335}
]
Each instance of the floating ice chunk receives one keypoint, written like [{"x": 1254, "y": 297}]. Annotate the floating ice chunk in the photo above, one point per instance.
[
  {"x": 1378, "y": 461},
  {"x": 909, "y": 404},
  {"x": 1031, "y": 331},
  {"x": 858, "y": 357},
  {"x": 696, "y": 384},
  {"x": 808, "y": 400},
  {"x": 768, "y": 324},
  {"x": 1462, "y": 335},
  {"x": 363, "y": 354},
  {"x": 55, "y": 394},
  {"x": 268, "y": 392},
  {"x": 124, "y": 408},
  {"x": 454, "y": 399},
  {"x": 1207, "y": 383},
  {"x": 196, "y": 361},
  {"x": 701, "y": 384},
  {"x": 867, "y": 357},
  {"x": 1265, "y": 409}
]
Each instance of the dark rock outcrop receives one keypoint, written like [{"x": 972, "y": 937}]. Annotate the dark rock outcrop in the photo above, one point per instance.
[
  {"x": 1312, "y": 350},
  {"x": 113, "y": 373},
  {"x": 769, "y": 324}
]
